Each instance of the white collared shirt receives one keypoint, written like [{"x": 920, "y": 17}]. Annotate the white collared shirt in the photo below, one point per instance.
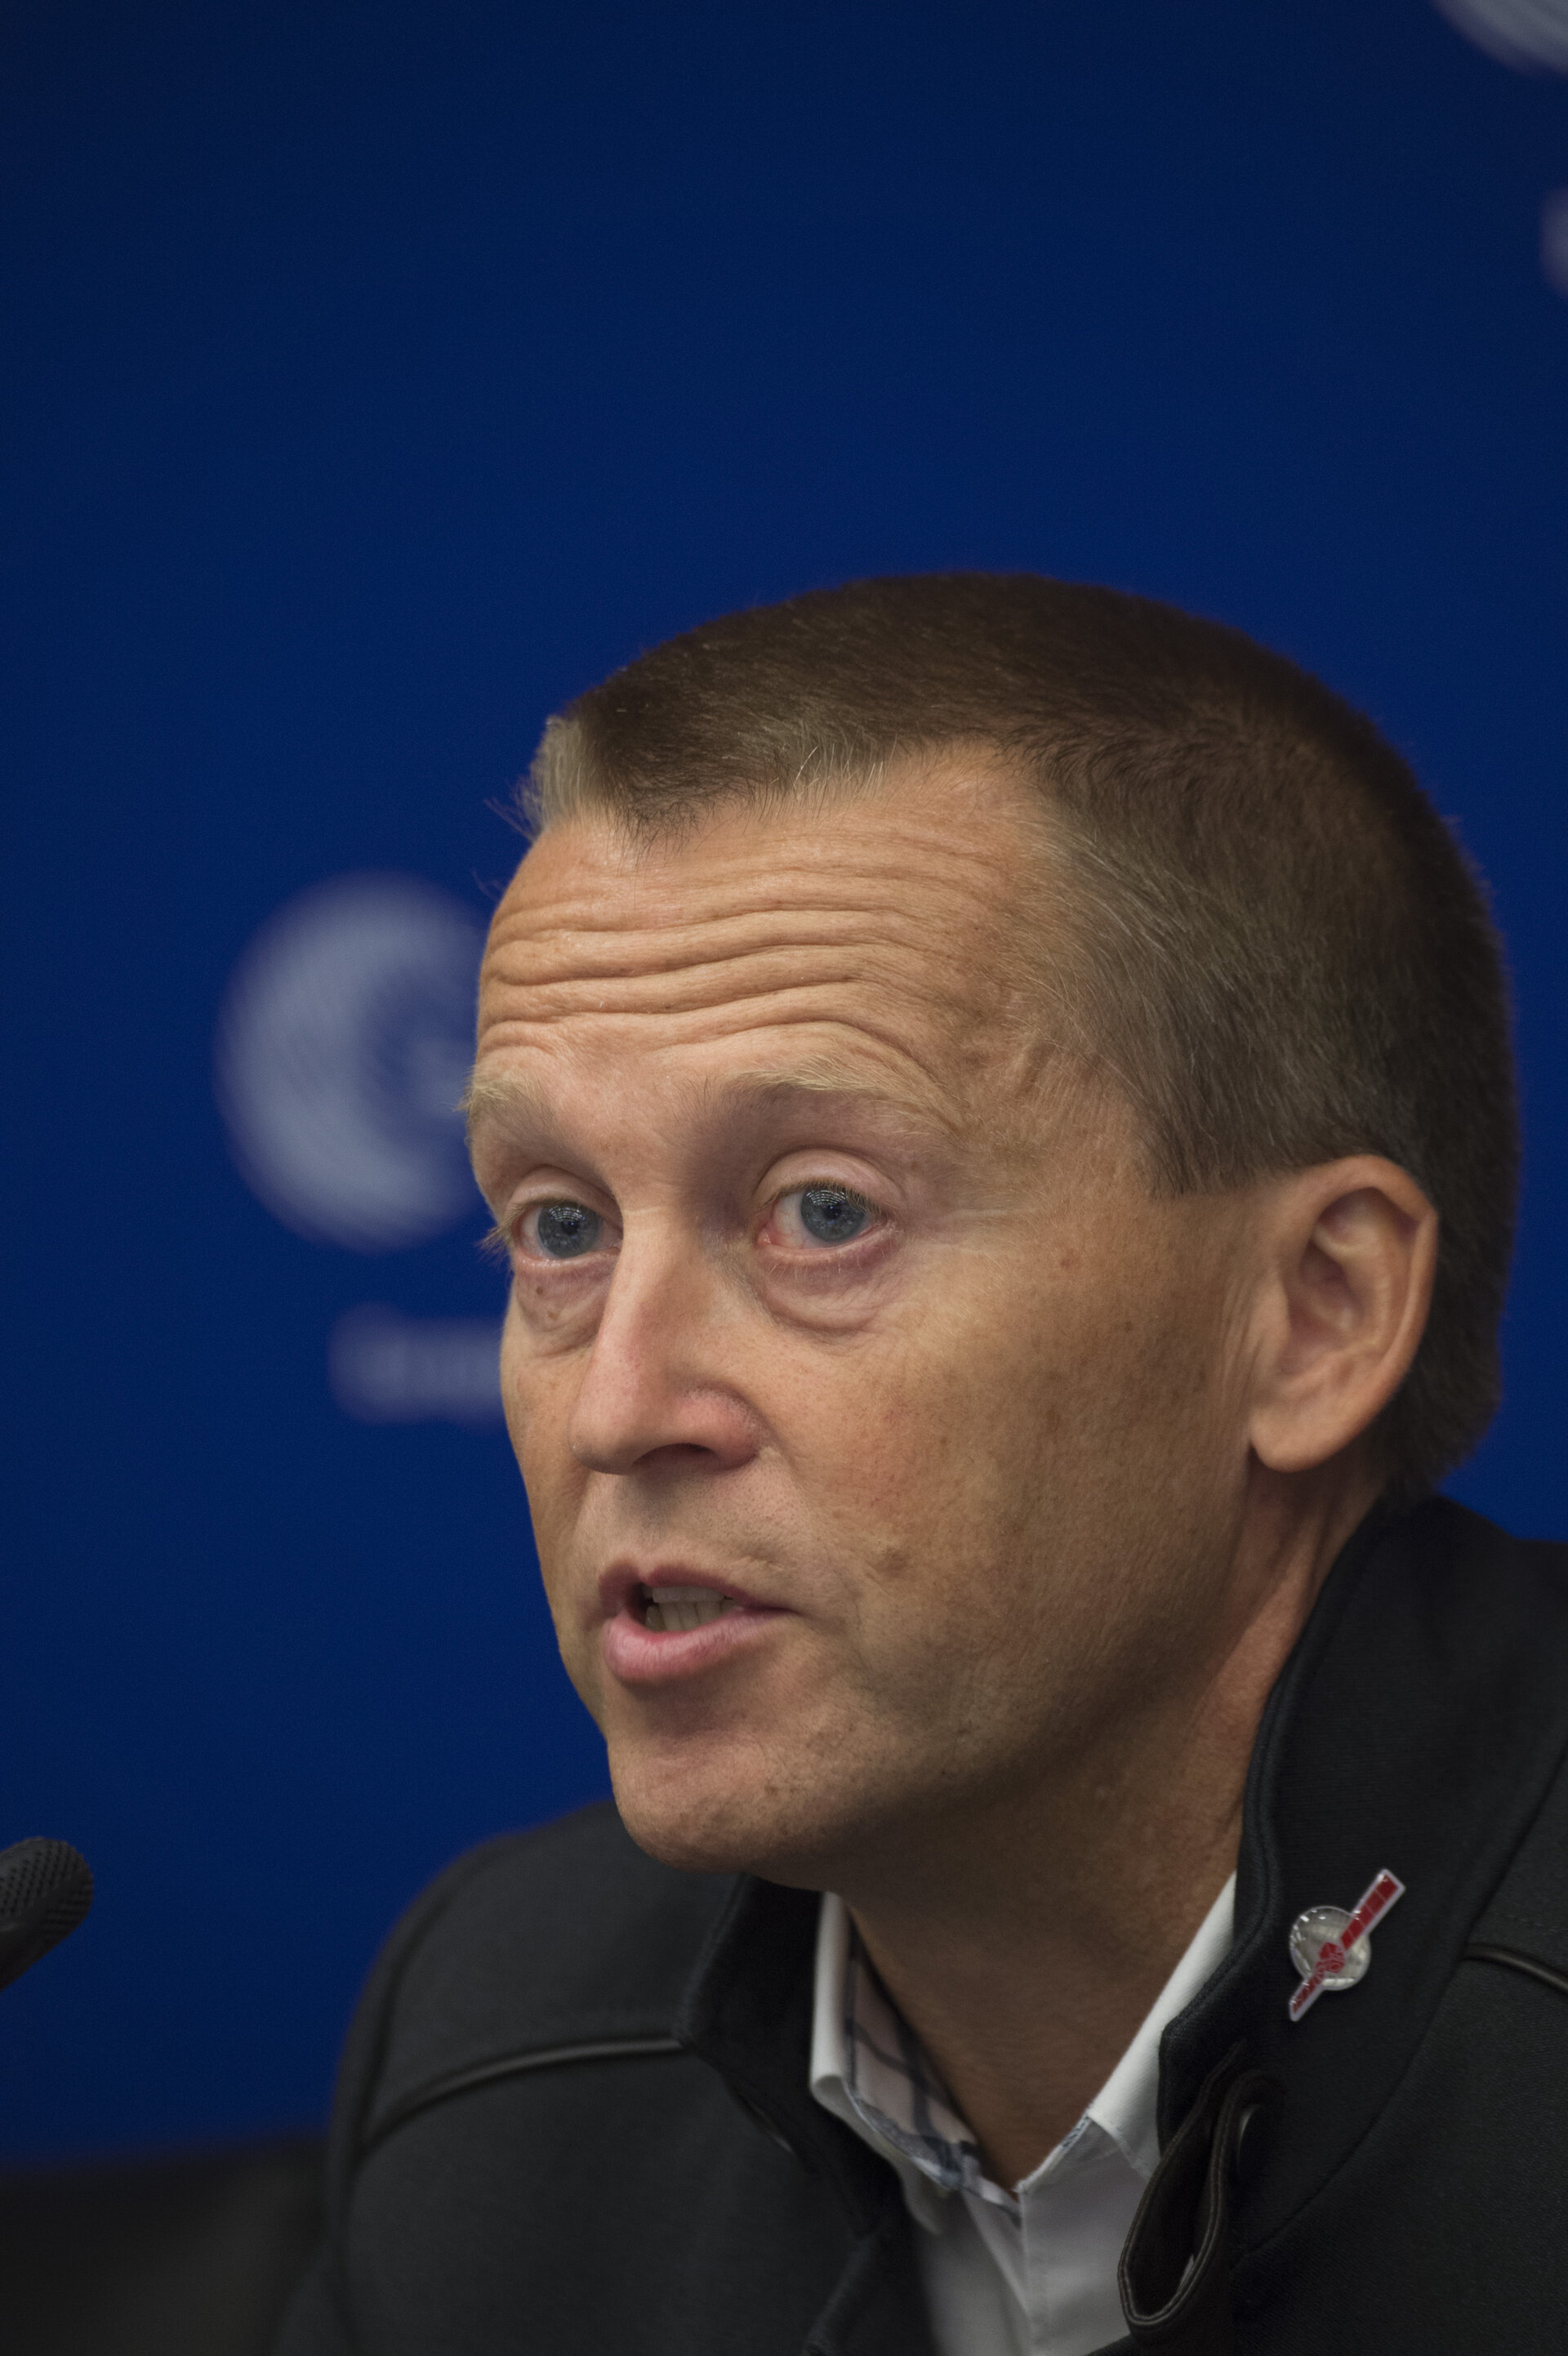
[{"x": 1026, "y": 2273}]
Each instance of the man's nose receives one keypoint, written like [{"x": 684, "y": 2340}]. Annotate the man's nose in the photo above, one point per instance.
[{"x": 656, "y": 1378}]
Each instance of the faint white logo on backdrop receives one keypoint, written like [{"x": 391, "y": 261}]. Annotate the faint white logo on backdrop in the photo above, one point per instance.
[
  {"x": 342, "y": 1048},
  {"x": 1520, "y": 32},
  {"x": 342, "y": 1045},
  {"x": 1526, "y": 34},
  {"x": 385, "y": 1368}
]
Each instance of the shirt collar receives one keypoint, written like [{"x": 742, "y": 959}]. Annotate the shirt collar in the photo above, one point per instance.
[{"x": 868, "y": 2069}]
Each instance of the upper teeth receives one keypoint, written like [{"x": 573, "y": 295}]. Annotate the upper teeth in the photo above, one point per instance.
[{"x": 669, "y": 1609}]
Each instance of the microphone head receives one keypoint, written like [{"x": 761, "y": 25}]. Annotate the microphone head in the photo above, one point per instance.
[{"x": 46, "y": 1889}]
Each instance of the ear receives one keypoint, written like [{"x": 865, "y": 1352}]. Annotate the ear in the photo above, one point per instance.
[{"x": 1349, "y": 1256}]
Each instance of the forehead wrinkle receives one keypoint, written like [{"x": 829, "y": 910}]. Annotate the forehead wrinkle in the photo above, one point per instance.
[
  {"x": 917, "y": 1088},
  {"x": 742, "y": 928},
  {"x": 894, "y": 989},
  {"x": 938, "y": 1057},
  {"x": 507, "y": 970},
  {"x": 527, "y": 954},
  {"x": 522, "y": 1105},
  {"x": 705, "y": 1004},
  {"x": 588, "y": 923},
  {"x": 712, "y": 947},
  {"x": 707, "y": 879}
]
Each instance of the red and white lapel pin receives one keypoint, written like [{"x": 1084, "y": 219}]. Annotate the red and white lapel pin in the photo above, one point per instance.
[{"x": 1331, "y": 1949}]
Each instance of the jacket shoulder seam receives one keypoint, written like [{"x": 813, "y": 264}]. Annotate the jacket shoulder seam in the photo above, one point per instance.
[
  {"x": 1515, "y": 1959},
  {"x": 480, "y": 2074}
]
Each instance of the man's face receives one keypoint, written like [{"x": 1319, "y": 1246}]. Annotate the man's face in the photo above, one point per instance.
[{"x": 839, "y": 1309}]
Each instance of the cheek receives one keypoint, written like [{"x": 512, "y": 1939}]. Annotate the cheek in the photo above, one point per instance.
[
  {"x": 920, "y": 1453},
  {"x": 537, "y": 1400},
  {"x": 1016, "y": 1416},
  {"x": 536, "y": 1397}
]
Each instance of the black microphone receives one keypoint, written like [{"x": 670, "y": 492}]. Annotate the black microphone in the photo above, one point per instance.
[{"x": 46, "y": 1889}]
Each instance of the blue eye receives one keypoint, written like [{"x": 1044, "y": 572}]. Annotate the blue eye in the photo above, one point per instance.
[
  {"x": 566, "y": 1230},
  {"x": 832, "y": 1214}
]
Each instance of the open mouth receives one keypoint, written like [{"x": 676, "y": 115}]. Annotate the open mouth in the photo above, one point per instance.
[{"x": 672, "y": 1611}]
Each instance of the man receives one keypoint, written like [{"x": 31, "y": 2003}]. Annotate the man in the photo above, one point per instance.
[{"x": 996, "y": 1103}]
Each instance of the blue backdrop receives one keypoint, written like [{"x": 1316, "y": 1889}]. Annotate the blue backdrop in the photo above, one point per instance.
[{"x": 377, "y": 376}]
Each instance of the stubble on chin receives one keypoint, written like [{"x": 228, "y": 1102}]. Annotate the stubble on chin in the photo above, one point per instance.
[{"x": 783, "y": 1800}]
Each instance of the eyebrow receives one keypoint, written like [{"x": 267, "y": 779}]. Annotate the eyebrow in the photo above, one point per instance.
[{"x": 515, "y": 1103}]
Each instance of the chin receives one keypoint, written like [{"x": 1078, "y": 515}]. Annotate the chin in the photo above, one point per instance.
[{"x": 720, "y": 1817}]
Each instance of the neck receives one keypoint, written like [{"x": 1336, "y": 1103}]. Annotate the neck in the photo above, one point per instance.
[{"x": 1025, "y": 1939}]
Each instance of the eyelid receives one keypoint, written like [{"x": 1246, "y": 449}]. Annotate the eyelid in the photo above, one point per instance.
[
  {"x": 827, "y": 1186},
  {"x": 797, "y": 1172}
]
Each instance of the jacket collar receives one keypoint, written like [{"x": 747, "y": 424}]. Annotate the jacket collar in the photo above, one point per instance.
[
  {"x": 747, "y": 2013},
  {"x": 1415, "y": 1726}
]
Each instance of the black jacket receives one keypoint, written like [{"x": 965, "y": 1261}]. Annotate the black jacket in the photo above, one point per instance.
[{"x": 573, "y": 2116}]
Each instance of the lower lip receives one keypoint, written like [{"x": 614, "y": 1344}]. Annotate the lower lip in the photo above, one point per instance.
[{"x": 646, "y": 1656}]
